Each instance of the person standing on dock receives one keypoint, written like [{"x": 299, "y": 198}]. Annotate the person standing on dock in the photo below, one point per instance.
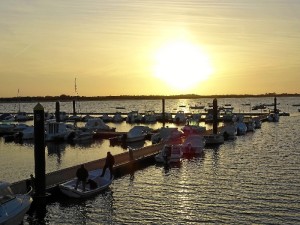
[
  {"x": 109, "y": 163},
  {"x": 82, "y": 175}
]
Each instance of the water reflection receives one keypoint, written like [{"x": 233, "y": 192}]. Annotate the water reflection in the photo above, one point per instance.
[{"x": 56, "y": 149}]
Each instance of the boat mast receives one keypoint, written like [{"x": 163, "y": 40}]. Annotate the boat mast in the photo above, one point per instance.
[{"x": 76, "y": 94}]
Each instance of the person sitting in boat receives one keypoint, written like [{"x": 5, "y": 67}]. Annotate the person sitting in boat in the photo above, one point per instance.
[
  {"x": 109, "y": 163},
  {"x": 92, "y": 183},
  {"x": 82, "y": 175}
]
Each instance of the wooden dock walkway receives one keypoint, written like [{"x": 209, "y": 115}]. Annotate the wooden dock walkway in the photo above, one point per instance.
[{"x": 123, "y": 165}]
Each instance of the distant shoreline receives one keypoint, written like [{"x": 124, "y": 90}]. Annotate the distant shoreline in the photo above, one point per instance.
[{"x": 134, "y": 97}]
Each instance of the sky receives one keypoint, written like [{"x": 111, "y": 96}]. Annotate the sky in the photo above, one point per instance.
[{"x": 153, "y": 47}]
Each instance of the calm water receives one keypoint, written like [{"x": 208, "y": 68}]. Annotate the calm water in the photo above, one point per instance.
[{"x": 252, "y": 180}]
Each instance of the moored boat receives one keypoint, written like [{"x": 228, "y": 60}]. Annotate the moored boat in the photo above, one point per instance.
[
  {"x": 193, "y": 145},
  {"x": 13, "y": 207},
  {"x": 169, "y": 154},
  {"x": 68, "y": 187},
  {"x": 214, "y": 139}
]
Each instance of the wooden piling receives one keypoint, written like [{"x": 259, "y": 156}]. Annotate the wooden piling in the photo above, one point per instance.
[
  {"x": 74, "y": 108},
  {"x": 57, "y": 113},
  {"x": 163, "y": 112},
  {"x": 39, "y": 151},
  {"x": 215, "y": 116}
]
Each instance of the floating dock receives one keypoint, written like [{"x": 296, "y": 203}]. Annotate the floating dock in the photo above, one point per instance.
[{"x": 124, "y": 163}]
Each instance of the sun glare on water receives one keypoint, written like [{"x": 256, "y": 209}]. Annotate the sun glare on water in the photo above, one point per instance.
[{"x": 182, "y": 65}]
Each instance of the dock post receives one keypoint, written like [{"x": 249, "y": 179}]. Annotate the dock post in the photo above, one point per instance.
[
  {"x": 163, "y": 112},
  {"x": 74, "y": 108},
  {"x": 215, "y": 116},
  {"x": 39, "y": 151},
  {"x": 57, "y": 116},
  {"x": 275, "y": 105}
]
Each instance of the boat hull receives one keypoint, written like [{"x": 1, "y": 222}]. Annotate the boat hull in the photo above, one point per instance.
[{"x": 68, "y": 188}]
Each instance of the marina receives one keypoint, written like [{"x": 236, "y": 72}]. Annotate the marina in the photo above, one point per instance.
[{"x": 222, "y": 166}]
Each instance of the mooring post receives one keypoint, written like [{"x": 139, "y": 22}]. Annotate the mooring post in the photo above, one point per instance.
[
  {"x": 39, "y": 151},
  {"x": 275, "y": 105},
  {"x": 163, "y": 112},
  {"x": 74, "y": 108},
  {"x": 57, "y": 113},
  {"x": 215, "y": 116}
]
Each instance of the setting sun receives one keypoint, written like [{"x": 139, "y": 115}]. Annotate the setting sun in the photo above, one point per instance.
[{"x": 182, "y": 64}]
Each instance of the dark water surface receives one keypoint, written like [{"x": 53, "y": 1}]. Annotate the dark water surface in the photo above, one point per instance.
[{"x": 252, "y": 180}]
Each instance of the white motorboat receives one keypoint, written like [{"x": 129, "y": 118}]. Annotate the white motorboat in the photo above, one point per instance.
[
  {"x": 149, "y": 117},
  {"x": 13, "y": 207},
  {"x": 134, "y": 117},
  {"x": 97, "y": 125},
  {"x": 214, "y": 139},
  {"x": 117, "y": 118},
  {"x": 56, "y": 131},
  {"x": 193, "y": 129},
  {"x": 169, "y": 154},
  {"x": 228, "y": 116},
  {"x": 166, "y": 134},
  {"x": 180, "y": 117},
  {"x": 81, "y": 135},
  {"x": 197, "y": 106},
  {"x": 229, "y": 132},
  {"x": 137, "y": 133},
  {"x": 193, "y": 144},
  {"x": 22, "y": 116},
  {"x": 68, "y": 188},
  {"x": 106, "y": 118}
]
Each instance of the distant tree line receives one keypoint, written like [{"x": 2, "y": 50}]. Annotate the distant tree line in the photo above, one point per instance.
[{"x": 133, "y": 97}]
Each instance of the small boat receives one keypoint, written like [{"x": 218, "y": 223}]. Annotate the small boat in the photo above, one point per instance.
[
  {"x": 193, "y": 129},
  {"x": 13, "y": 207},
  {"x": 134, "y": 117},
  {"x": 117, "y": 118},
  {"x": 229, "y": 132},
  {"x": 97, "y": 125},
  {"x": 166, "y": 134},
  {"x": 81, "y": 135},
  {"x": 193, "y": 145},
  {"x": 22, "y": 116},
  {"x": 196, "y": 106},
  {"x": 214, "y": 139},
  {"x": 68, "y": 188},
  {"x": 169, "y": 154},
  {"x": 57, "y": 131},
  {"x": 180, "y": 117},
  {"x": 137, "y": 133},
  {"x": 149, "y": 117},
  {"x": 106, "y": 118}
]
